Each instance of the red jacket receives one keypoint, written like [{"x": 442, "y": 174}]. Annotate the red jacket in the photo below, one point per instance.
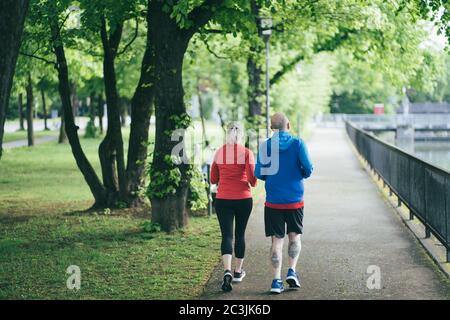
[{"x": 233, "y": 169}]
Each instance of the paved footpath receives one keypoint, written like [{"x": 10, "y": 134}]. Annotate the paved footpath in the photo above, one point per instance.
[
  {"x": 24, "y": 142},
  {"x": 348, "y": 227}
]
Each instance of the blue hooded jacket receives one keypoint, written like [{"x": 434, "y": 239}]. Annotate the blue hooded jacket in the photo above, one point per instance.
[{"x": 285, "y": 184}]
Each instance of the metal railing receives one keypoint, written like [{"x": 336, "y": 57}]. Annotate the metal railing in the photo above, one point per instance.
[{"x": 422, "y": 187}]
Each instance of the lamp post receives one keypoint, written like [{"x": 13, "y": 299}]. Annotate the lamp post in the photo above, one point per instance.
[{"x": 266, "y": 32}]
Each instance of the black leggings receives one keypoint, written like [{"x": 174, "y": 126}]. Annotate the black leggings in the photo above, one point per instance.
[{"x": 227, "y": 211}]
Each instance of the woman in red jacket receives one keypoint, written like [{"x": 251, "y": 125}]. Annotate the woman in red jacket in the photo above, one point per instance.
[{"x": 233, "y": 169}]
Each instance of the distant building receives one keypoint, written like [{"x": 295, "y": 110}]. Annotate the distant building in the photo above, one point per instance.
[
  {"x": 426, "y": 107},
  {"x": 378, "y": 108}
]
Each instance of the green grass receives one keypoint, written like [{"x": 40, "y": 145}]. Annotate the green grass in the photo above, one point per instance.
[
  {"x": 42, "y": 232},
  {"x": 116, "y": 258},
  {"x": 44, "y": 175},
  {"x": 22, "y": 135}
]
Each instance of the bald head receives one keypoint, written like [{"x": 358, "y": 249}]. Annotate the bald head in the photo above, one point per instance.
[{"x": 280, "y": 122}]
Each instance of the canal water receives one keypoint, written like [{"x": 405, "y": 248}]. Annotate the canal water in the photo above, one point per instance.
[
  {"x": 434, "y": 152},
  {"x": 437, "y": 153}
]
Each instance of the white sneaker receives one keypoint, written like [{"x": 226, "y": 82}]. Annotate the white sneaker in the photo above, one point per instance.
[{"x": 238, "y": 276}]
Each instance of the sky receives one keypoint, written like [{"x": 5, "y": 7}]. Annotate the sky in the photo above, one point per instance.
[{"x": 435, "y": 40}]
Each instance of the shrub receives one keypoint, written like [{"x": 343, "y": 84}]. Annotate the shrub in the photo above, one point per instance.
[
  {"x": 91, "y": 130},
  {"x": 151, "y": 227},
  {"x": 197, "y": 197}
]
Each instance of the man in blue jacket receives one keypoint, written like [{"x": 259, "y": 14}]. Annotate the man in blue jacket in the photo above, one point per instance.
[{"x": 283, "y": 162}]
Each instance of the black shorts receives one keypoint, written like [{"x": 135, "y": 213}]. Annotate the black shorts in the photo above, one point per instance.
[{"x": 280, "y": 221}]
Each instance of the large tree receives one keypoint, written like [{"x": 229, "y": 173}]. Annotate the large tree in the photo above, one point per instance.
[
  {"x": 171, "y": 27},
  {"x": 106, "y": 20},
  {"x": 12, "y": 17},
  {"x": 170, "y": 30}
]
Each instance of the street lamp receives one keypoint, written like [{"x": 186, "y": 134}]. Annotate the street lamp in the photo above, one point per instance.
[{"x": 266, "y": 31}]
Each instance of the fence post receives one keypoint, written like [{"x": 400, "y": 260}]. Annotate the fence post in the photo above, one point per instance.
[
  {"x": 399, "y": 202},
  {"x": 427, "y": 232},
  {"x": 448, "y": 255},
  {"x": 411, "y": 215}
]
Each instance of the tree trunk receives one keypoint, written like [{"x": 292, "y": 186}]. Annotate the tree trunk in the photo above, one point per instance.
[
  {"x": 20, "y": 105},
  {"x": 141, "y": 112},
  {"x": 111, "y": 149},
  {"x": 169, "y": 211},
  {"x": 74, "y": 99},
  {"x": 205, "y": 141},
  {"x": 255, "y": 92},
  {"x": 92, "y": 108},
  {"x": 62, "y": 129},
  {"x": 12, "y": 18},
  {"x": 100, "y": 112},
  {"x": 97, "y": 189},
  {"x": 30, "y": 134},
  {"x": 254, "y": 71},
  {"x": 44, "y": 110}
]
